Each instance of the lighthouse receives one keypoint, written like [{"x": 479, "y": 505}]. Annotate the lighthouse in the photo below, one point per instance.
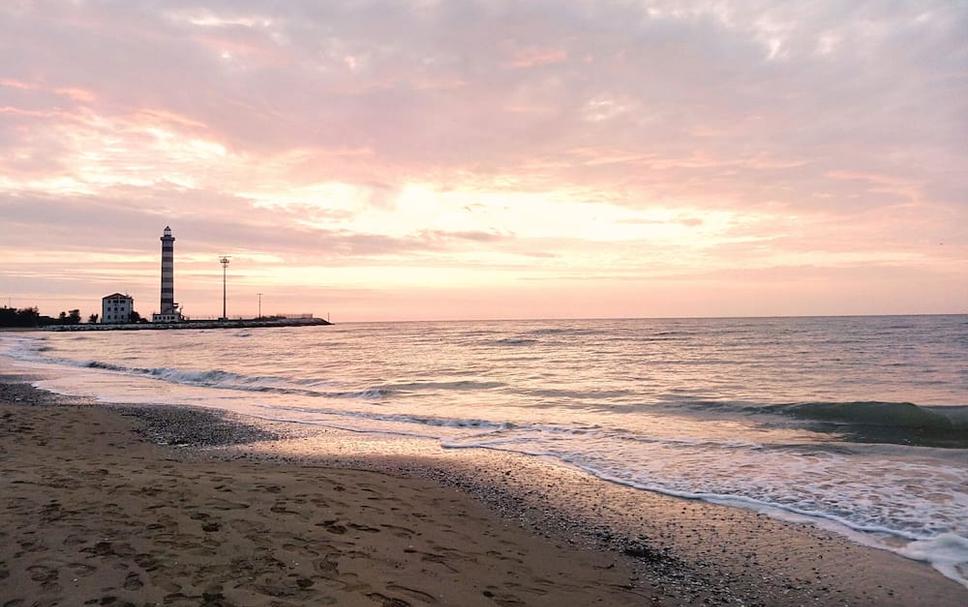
[{"x": 169, "y": 309}]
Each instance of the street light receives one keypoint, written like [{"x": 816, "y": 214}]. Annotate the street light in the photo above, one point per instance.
[
  {"x": 224, "y": 260},
  {"x": 260, "y": 305}
]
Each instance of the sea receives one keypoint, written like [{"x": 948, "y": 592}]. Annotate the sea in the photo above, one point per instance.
[{"x": 858, "y": 424}]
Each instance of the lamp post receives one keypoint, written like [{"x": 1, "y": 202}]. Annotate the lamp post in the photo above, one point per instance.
[
  {"x": 224, "y": 260},
  {"x": 260, "y": 306}
]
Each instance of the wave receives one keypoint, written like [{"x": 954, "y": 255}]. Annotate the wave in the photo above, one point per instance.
[
  {"x": 490, "y": 427},
  {"x": 515, "y": 341},
  {"x": 221, "y": 379},
  {"x": 577, "y": 461},
  {"x": 209, "y": 377},
  {"x": 947, "y": 551},
  {"x": 889, "y": 421},
  {"x": 463, "y": 384},
  {"x": 846, "y": 413},
  {"x": 867, "y": 413},
  {"x": 899, "y": 423},
  {"x": 217, "y": 378},
  {"x": 578, "y": 395},
  {"x": 566, "y": 331}
]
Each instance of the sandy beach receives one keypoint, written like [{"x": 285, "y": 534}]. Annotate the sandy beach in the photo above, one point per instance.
[
  {"x": 93, "y": 511},
  {"x": 92, "y": 514}
]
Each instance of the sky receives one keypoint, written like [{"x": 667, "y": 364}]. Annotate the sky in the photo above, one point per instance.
[{"x": 469, "y": 159}]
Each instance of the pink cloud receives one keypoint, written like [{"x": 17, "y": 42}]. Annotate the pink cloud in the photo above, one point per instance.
[
  {"x": 534, "y": 57},
  {"x": 301, "y": 131}
]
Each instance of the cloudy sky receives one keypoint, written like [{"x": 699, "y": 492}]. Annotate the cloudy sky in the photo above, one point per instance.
[{"x": 431, "y": 159}]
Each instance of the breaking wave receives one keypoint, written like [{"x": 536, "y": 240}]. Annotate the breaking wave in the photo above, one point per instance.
[
  {"x": 871, "y": 413},
  {"x": 885, "y": 414},
  {"x": 217, "y": 378}
]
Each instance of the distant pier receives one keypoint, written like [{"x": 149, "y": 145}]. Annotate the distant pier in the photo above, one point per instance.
[{"x": 241, "y": 323}]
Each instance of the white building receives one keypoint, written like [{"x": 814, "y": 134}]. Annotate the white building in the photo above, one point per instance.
[{"x": 116, "y": 308}]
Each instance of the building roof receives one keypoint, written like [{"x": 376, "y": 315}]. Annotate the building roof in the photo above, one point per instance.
[{"x": 118, "y": 295}]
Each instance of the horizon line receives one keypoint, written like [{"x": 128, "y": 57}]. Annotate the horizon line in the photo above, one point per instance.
[{"x": 780, "y": 316}]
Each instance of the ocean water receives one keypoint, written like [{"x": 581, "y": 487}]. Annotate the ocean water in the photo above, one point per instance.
[{"x": 859, "y": 424}]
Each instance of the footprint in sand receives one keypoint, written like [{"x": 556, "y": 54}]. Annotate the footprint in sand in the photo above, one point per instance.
[
  {"x": 146, "y": 561},
  {"x": 332, "y": 526},
  {"x": 401, "y": 532},
  {"x": 40, "y": 573},
  {"x": 504, "y": 600},
  {"x": 387, "y": 601},
  {"x": 438, "y": 559},
  {"x": 219, "y": 504},
  {"x": 413, "y": 593},
  {"x": 133, "y": 582},
  {"x": 109, "y": 549},
  {"x": 280, "y": 508},
  {"x": 166, "y": 585},
  {"x": 45, "y": 576},
  {"x": 327, "y": 564}
]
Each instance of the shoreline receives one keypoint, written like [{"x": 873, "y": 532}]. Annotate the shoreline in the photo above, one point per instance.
[
  {"x": 117, "y": 520},
  {"x": 670, "y": 550}
]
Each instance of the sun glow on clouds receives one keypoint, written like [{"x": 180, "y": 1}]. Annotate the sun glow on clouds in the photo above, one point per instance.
[
  {"x": 421, "y": 207},
  {"x": 605, "y": 158}
]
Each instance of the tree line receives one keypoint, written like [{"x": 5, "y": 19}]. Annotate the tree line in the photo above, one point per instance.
[{"x": 31, "y": 317}]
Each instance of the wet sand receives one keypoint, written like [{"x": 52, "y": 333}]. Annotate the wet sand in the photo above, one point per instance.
[{"x": 94, "y": 511}]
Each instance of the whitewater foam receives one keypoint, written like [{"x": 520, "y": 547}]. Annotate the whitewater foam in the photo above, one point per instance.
[{"x": 945, "y": 550}]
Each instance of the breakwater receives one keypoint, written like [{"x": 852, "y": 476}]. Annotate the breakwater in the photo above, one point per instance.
[{"x": 252, "y": 323}]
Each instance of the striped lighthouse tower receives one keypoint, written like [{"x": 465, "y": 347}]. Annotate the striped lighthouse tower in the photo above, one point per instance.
[{"x": 167, "y": 273}]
